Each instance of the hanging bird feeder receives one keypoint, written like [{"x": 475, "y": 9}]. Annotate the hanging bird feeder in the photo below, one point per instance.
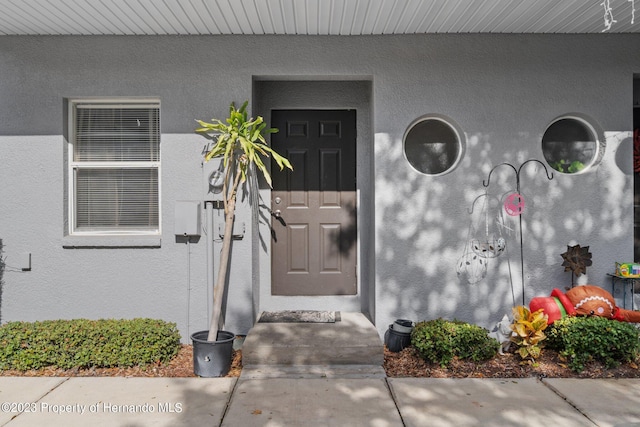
[
  {"x": 471, "y": 267},
  {"x": 491, "y": 244},
  {"x": 490, "y": 247}
]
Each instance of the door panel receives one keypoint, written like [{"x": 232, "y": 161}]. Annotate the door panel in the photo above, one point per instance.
[{"x": 314, "y": 239}]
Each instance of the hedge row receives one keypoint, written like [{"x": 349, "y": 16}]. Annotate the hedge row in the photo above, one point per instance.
[
  {"x": 579, "y": 340},
  {"x": 82, "y": 343},
  {"x": 585, "y": 339},
  {"x": 440, "y": 341}
]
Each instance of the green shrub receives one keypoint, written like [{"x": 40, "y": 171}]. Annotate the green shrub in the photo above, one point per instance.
[
  {"x": 439, "y": 341},
  {"x": 82, "y": 343},
  {"x": 584, "y": 339}
]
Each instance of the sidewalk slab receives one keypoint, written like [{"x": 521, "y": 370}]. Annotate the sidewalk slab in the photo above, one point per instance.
[
  {"x": 139, "y": 402},
  {"x": 18, "y": 392},
  {"x": 440, "y": 402},
  {"x": 312, "y": 402},
  {"x": 607, "y": 402}
]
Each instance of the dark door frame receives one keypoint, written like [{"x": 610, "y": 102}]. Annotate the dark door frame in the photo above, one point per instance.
[{"x": 356, "y": 93}]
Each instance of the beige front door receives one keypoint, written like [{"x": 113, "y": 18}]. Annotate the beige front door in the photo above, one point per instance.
[{"x": 314, "y": 229}]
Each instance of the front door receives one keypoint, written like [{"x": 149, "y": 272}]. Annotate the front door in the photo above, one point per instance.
[{"x": 314, "y": 207}]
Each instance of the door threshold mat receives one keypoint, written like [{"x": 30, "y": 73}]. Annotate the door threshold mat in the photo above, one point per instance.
[{"x": 299, "y": 316}]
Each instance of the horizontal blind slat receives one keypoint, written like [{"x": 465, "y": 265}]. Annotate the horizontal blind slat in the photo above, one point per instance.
[
  {"x": 117, "y": 134},
  {"x": 117, "y": 198}
]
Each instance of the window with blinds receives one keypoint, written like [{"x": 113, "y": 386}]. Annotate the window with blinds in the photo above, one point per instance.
[{"x": 114, "y": 167}]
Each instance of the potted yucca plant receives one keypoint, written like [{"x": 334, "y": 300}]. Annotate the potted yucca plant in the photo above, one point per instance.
[{"x": 241, "y": 143}]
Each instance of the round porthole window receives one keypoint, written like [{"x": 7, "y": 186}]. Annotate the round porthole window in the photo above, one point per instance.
[
  {"x": 432, "y": 145},
  {"x": 570, "y": 145}
]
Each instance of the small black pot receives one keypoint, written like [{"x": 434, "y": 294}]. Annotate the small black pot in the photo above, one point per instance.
[
  {"x": 396, "y": 341},
  {"x": 212, "y": 358}
]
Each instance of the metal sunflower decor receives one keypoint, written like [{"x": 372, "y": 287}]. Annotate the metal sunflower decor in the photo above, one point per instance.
[{"x": 576, "y": 260}]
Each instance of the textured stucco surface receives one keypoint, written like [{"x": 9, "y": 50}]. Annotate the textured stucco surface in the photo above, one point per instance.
[{"x": 502, "y": 91}]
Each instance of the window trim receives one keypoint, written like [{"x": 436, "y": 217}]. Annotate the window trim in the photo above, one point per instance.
[
  {"x": 592, "y": 127},
  {"x": 109, "y": 237},
  {"x": 448, "y": 122}
]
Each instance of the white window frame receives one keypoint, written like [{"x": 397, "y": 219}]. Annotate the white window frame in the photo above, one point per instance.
[
  {"x": 460, "y": 142},
  {"x": 589, "y": 124},
  {"x": 74, "y": 165}
]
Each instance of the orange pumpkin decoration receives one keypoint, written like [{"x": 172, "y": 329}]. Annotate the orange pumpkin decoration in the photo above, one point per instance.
[{"x": 587, "y": 300}]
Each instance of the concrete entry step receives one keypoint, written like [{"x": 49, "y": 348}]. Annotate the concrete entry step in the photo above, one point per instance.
[
  {"x": 321, "y": 349},
  {"x": 261, "y": 372}
]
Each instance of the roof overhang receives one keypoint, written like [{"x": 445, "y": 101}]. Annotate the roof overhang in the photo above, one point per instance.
[{"x": 315, "y": 17}]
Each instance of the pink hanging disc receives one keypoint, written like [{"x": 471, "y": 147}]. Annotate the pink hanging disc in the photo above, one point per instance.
[{"x": 514, "y": 204}]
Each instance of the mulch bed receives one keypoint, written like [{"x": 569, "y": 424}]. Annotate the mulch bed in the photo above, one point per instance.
[{"x": 406, "y": 363}]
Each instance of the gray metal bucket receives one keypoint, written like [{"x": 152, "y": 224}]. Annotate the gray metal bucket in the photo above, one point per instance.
[{"x": 212, "y": 358}]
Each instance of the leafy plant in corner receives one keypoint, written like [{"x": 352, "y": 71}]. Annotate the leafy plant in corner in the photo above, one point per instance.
[
  {"x": 529, "y": 332},
  {"x": 241, "y": 142}
]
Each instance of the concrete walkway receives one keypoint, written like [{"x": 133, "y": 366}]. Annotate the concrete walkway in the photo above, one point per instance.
[{"x": 373, "y": 402}]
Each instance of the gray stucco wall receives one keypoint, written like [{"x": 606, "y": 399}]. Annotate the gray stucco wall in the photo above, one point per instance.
[{"x": 502, "y": 90}]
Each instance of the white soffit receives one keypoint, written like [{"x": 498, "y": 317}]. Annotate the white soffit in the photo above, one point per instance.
[{"x": 315, "y": 17}]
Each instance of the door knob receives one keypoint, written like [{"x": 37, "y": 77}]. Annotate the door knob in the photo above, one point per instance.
[{"x": 277, "y": 215}]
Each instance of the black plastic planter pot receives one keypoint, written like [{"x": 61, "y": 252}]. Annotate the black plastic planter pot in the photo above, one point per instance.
[
  {"x": 212, "y": 358},
  {"x": 403, "y": 325},
  {"x": 396, "y": 341}
]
